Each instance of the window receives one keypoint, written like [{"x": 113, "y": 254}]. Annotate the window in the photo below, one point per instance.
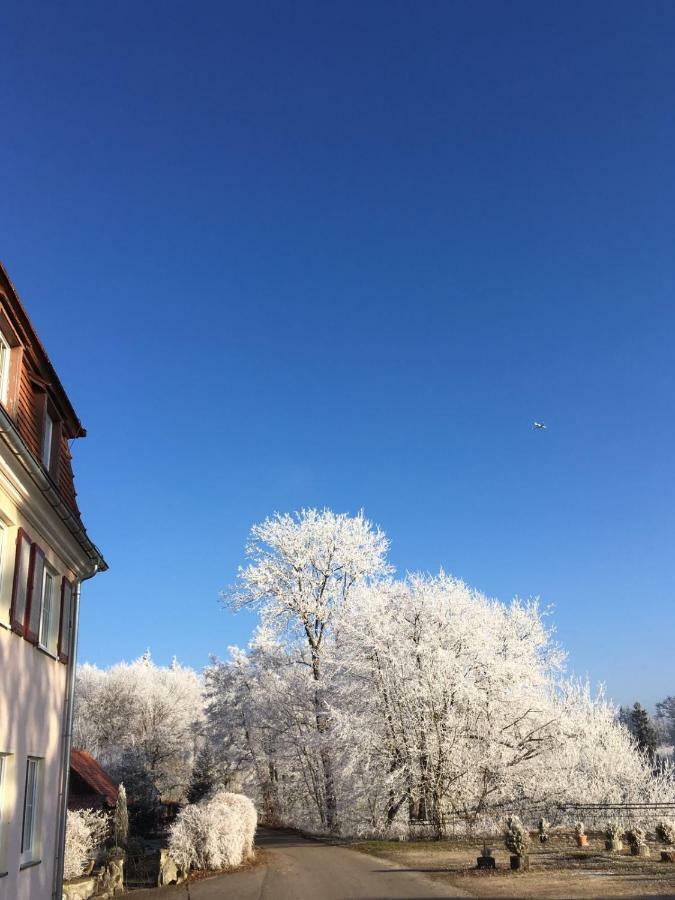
[
  {"x": 49, "y": 611},
  {"x": 20, "y": 586},
  {"x": 4, "y": 369},
  {"x": 10, "y": 361},
  {"x": 47, "y": 438},
  {"x": 30, "y": 844}
]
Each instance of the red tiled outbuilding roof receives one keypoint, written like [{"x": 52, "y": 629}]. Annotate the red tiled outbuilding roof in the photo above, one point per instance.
[{"x": 91, "y": 772}]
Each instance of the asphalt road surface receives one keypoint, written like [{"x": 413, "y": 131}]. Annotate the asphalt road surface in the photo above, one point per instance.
[{"x": 293, "y": 868}]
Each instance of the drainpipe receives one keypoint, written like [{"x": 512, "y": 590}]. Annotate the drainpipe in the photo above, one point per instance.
[{"x": 57, "y": 892}]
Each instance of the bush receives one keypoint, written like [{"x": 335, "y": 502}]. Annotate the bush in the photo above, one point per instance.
[
  {"x": 86, "y": 829},
  {"x": 636, "y": 838},
  {"x": 516, "y": 838},
  {"x": 216, "y": 833},
  {"x": 614, "y": 831},
  {"x": 665, "y": 832}
]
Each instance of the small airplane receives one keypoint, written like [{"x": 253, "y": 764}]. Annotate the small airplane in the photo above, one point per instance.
[{"x": 539, "y": 425}]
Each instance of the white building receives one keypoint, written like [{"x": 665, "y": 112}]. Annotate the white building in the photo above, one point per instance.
[{"x": 45, "y": 554}]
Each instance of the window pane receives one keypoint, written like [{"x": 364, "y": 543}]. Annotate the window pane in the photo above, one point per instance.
[
  {"x": 29, "y": 810},
  {"x": 47, "y": 440},
  {"x": 46, "y": 628}
]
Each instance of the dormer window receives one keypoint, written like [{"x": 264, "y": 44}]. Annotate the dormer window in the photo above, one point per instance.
[
  {"x": 50, "y": 428},
  {"x": 47, "y": 440}
]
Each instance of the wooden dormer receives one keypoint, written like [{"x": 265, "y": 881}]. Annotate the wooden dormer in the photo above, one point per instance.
[{"x": 33, "y": 397}]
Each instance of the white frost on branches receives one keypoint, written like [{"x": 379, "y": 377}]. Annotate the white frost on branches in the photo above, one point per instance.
[
  {"x": 141, "y": 722},
  {"x": 365, "y": 704},
  {"x": 216, "y": 833},
  {"x": 375, "y": 705},
  {"x": 86, "y": 829},
  {"x": 303, "y": 572}
]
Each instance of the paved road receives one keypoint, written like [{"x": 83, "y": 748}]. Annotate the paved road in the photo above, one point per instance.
[{"x": 298, "y": 869}]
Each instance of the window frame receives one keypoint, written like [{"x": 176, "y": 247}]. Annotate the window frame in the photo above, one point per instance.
[
  {"x": 51, "y": 428},
  {"x": 31, "y": 854},
  {"x": 11, "y": 371},
  {"x": 46, "y": 449},
  {"x": 49, "y": 645}
]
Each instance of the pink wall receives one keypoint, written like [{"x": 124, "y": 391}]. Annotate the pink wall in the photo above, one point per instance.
[{"x": 32, "y": 696}]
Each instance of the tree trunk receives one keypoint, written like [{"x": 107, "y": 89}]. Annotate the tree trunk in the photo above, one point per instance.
[{"x": 322, "y": 726}]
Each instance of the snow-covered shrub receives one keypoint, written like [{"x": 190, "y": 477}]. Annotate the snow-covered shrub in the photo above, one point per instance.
[
  {"x": 86, "y": 830},
  {"x": 614, "y": 830},
  {"x": 637, "y": 839},
  {"x": 579, "y": 829},
  {"x": 665, "y": 832},
  {"x": 516, "y": 838},
  {"x": 248, "y": 817},
  {"x": 216, "y": 833}
]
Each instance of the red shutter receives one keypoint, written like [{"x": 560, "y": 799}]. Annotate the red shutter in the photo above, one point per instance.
[
  {"x": 34, "y": 595},
  {"x": 20, "y": 583},
  {"x": 66, "y": 619}
]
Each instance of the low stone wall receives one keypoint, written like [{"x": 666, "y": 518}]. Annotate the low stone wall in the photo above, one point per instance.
[
  {"x": 80, "y": 888},
  {"x": 105, "y": 884}
]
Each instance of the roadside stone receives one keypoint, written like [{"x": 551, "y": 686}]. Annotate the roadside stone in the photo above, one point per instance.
[{"x": 169, "y": 871}]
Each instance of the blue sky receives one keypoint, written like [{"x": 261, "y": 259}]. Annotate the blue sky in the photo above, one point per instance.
[{"x": 293, "y": 254}]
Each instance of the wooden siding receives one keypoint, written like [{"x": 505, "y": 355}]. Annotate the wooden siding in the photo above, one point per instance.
[
  {"x": 26, "y": 419},
  {"x": 33, "y": 387},
  {"x": 65, "y": 479},
  {"x": 29, "y": 417}
]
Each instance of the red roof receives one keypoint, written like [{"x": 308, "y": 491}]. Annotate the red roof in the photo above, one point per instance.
[{"x": 97, "y": 778}]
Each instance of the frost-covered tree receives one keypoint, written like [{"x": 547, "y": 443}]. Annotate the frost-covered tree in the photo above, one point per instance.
[
  {"x": 665, "y": 719},
  {"x": 453, "y": 697},
  {"x": 260, "y": 707},
  {"x": 302, "y": 571},
  {"x": 643, "y": 729},
  {"x": 400, "y": 703},
  {"x": 141, "y": 722},
  {"x": 209, "y": 774}
]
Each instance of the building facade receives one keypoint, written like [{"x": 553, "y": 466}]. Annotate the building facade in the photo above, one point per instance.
[{"x": 45, "y": 554}]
